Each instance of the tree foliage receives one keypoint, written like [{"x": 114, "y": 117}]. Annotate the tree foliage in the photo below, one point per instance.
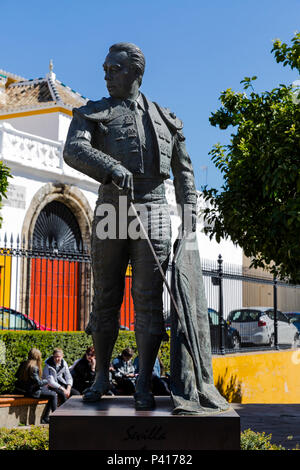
[
  {"x": 258, "y": 206},
  {"x": 4, "y": 175}
]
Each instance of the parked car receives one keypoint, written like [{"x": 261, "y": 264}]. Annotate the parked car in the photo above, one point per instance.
[
  {"x": 12, "y": 320},
  {"x": 256, "y": 325},
  {"x": 231, "y": 335},
  {"x": 125, "y": 328},
  {"x": 295, "y": 318},
  {"x": 232, "y": 338}
]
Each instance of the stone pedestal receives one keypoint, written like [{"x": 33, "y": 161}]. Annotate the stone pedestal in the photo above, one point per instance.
[{"x": 114, "y": 424}]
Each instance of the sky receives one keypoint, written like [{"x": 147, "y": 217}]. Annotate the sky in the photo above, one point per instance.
[{"x": 194, "y": 50}]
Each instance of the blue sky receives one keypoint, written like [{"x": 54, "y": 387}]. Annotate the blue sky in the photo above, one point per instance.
[{"x": 194, "y": 50}]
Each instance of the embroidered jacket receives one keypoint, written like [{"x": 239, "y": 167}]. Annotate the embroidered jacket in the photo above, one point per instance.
[{"x": 108, "y": 132}]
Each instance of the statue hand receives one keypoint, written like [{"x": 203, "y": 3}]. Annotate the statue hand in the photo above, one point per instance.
[{"x": 123, "y": 178}]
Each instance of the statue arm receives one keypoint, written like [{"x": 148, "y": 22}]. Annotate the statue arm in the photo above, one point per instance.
[
  {"x": 184, "y": 181},
  {"x": 181, "y": 165},
  {"x": 82, "y": 156}
]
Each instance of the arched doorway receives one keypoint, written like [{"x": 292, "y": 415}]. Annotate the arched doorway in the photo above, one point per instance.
[
  {"x": 36, "y": 235},
  {"x": 56, "y": 269},
  {"x": 57, "y": 227}
]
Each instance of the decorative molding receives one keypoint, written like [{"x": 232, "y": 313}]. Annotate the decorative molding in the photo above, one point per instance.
[
  {"x": 12, "y": 75},
  {"x": 41, "y": 109},
  {"x": 27, "y": 82},
  {"x": 37, "y": 153},
  {"x": 54, "y": 91}
]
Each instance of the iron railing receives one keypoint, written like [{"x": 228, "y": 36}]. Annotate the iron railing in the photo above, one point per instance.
[{"x": 44, "y": 288}]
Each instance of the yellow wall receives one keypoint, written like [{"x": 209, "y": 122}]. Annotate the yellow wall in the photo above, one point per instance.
[
  {"x": 265, "y": 377},
  {"x": 5, "y": 280}
]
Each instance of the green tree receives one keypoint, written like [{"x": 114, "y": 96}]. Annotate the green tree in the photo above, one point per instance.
[
  {"x": 258, "y": 206},
  {"x": 4, "y": 175}
]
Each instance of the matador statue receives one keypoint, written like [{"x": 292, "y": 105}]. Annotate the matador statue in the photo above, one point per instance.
[{"x": 130, "y": 144}]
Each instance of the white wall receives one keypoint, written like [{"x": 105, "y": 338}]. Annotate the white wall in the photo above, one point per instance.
[
  {"x": 210, "y": 249},
  {"x": 64, "y": 123},
  {"x": 13, "y": 217},
  {"x": 42, "y": 125}
]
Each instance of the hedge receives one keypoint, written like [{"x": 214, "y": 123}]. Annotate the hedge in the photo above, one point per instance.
[
  {"x": 14, "y": 347},
  {"x": 35, "y": 438}
]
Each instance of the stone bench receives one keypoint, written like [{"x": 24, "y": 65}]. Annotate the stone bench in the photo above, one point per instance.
[{"x": 18, "y": 409}]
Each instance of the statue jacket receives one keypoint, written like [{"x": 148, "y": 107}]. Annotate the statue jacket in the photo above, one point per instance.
[{"x": 106, "y": 133}]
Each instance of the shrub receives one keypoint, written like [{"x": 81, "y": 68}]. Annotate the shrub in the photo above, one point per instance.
[
  {"x": 35, "y": 438},
  {"x": 251, "y": 440},
  {"x": 18, "y": 343}
]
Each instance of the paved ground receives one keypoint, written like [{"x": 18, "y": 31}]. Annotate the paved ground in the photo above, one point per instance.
[{"x": 282, "y": 421}]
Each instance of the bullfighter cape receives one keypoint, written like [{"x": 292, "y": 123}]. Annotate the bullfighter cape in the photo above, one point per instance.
[{"x": 192, "y": 385}]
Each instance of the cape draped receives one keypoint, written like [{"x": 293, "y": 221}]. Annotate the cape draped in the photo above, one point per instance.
[{"x": 192, "y": 385}]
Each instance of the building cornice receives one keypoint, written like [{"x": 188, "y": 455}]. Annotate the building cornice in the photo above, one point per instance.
[
  {"x": 12, "y": 77},
  {"x": 29, "y": 111}
]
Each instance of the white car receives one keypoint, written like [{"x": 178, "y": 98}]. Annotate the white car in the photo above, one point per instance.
[{"x": 256, "y": 325}]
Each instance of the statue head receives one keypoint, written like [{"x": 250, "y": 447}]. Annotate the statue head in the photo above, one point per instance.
[{"x": 124, "y": 68}]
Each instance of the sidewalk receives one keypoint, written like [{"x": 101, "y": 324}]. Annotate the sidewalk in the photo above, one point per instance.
[{"x": 282, "y": 421}]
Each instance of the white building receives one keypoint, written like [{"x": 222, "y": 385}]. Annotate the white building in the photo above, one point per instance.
[{"x": 34, "y": 121}]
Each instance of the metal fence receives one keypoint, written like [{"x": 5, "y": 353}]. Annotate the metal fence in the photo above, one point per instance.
[
  {"x": 51, "y": 290},
  {"x": 44, "y": 288}
]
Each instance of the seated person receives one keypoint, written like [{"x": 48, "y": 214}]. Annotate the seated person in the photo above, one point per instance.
[
  {"x": 124, "y": 372},
  {"x": 159, "y": 384},
  {"x": 112, "y": 382},
  {"x": 58, "y": 376},
  {"x": 83, "y": 370},
  {"x": 30, "y": 383}
]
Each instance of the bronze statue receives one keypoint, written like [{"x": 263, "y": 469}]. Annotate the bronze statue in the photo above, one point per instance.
[{"x": 128, "y": 142}]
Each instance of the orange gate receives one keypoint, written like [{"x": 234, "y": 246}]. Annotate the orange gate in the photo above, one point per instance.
[
  {"x": 54, "y": 294},
  {"x": 127, "y": 309}
]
